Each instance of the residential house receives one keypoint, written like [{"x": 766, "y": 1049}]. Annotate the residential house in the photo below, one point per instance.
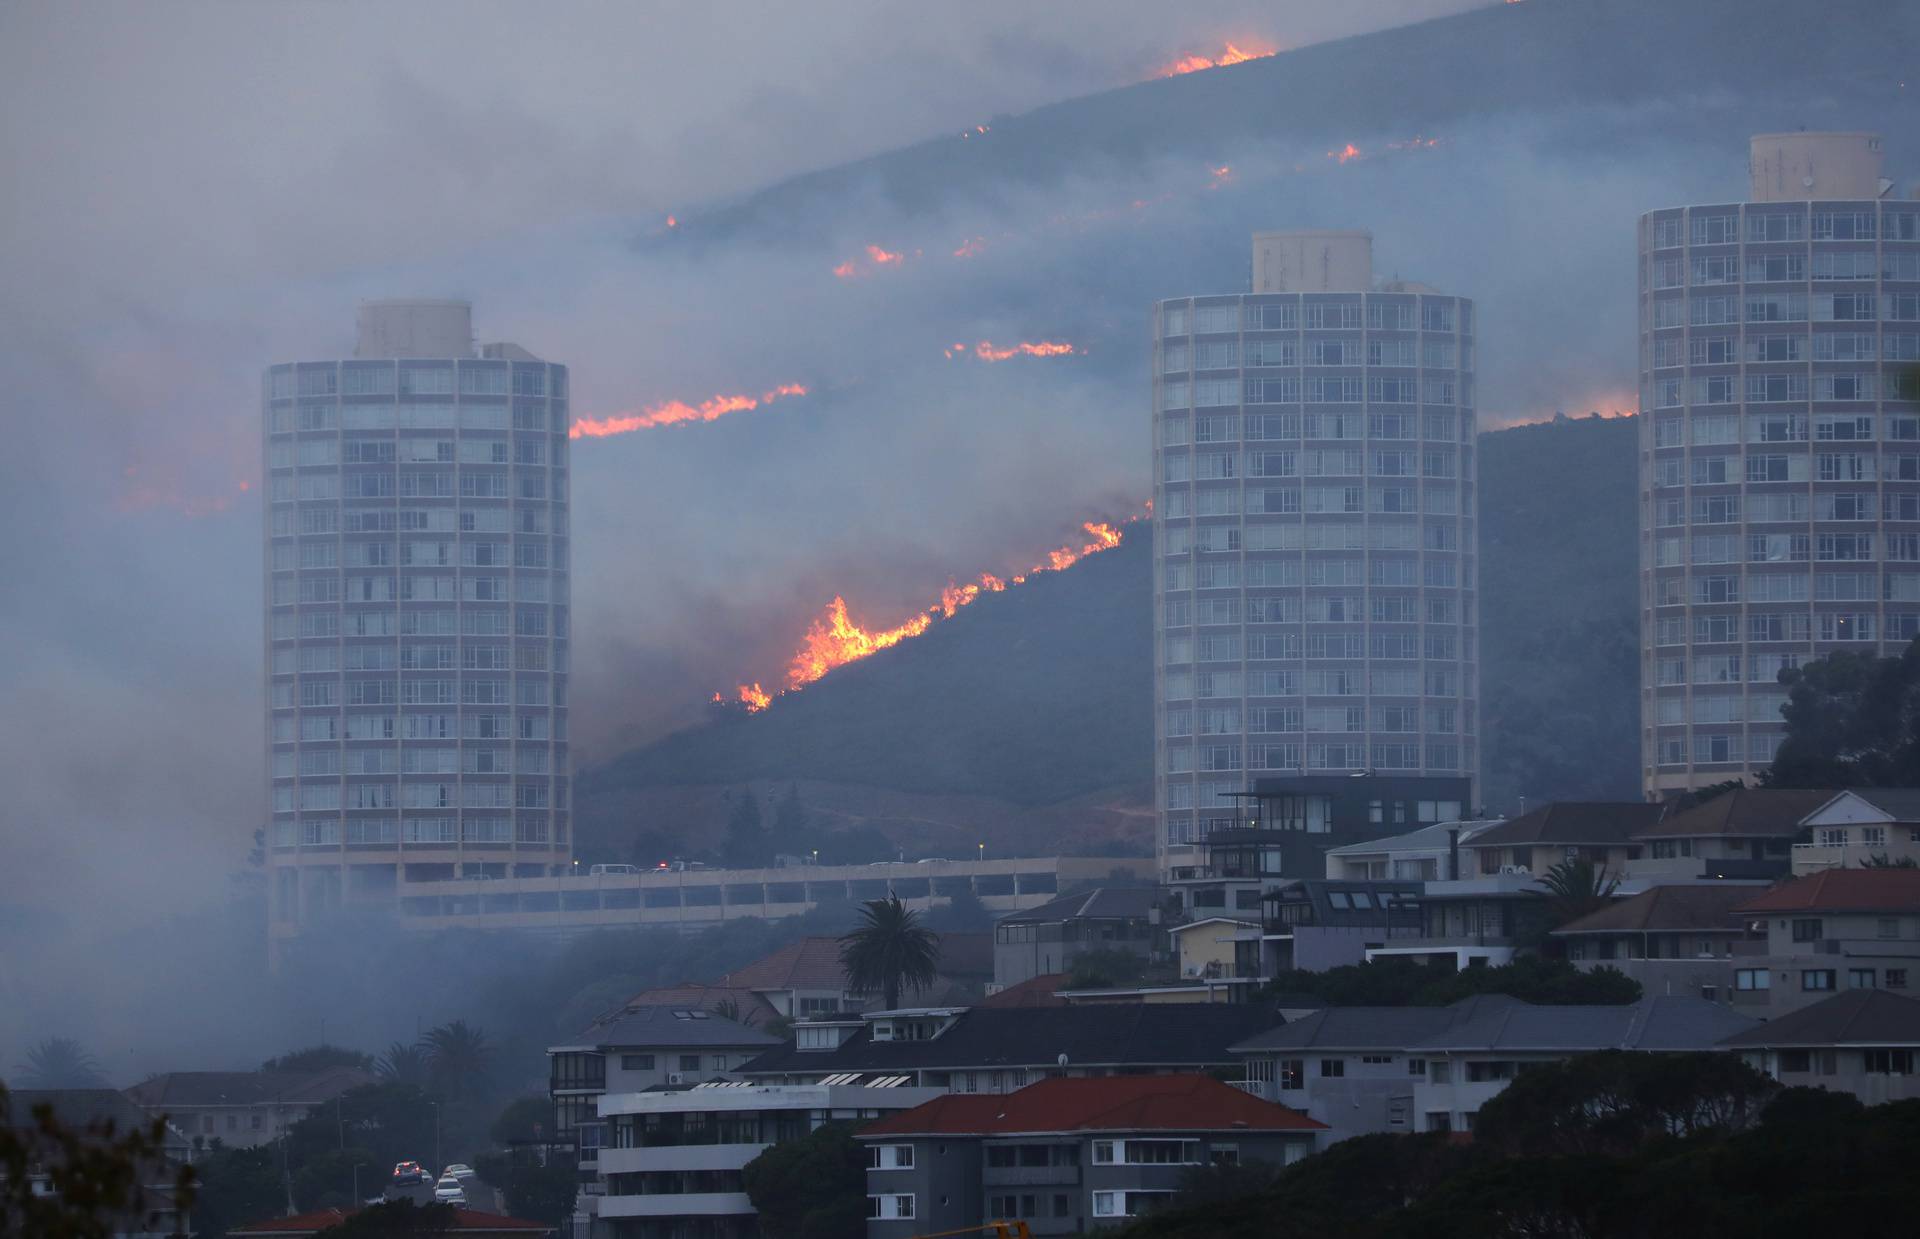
[
  {"x": 77, "y": 1109},
  {"x": 1064, "y": 1155},
  {"x": 732, "y": 1001},
  {"x": 1744, "y": 833},
  {"x": 671, "y": 1165},
  {"x": 631, "y": 1050},
  {"x": 999, "y": 1050},
  {"x": 1835, "y": 930},
  {"x": 1399, "y": 1069},
  {"x": 805, "y": 979},
  {"x": 1858, "y": 826},
  {"x": 1050, "y": 937},
  {"x": 1430, "y": 854},
  {"x": 1040, "y": 991},
  {"x": 1601, "y": 832},
  {"x": 1677, "y": 939},
  {"x": 243, "y": 1108},
  {"x": 1321, "y": 923},
  {"x": 1217, "y": 948},
  {"x": 1863, "y": 1041}
]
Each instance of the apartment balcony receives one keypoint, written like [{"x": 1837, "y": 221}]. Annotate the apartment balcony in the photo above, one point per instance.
[
  {"x": 1030, "y": 1176},
  {"x": 677, "y": 1204}
]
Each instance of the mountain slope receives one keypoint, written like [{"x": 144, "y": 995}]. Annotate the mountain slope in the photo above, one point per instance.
[{"x": 1041, "y": 696}]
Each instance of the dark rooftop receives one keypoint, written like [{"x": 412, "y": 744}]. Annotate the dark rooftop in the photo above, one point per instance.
[
  {"x": 1698, "y": 908},
  {"x": 1099, "y": 903},
  {"x": 648, "y": 1026},
  {"x": 1746, "y": 812},
  {"x": 1856, "y": 1017},
  {"x": 1572, "y": 821}
]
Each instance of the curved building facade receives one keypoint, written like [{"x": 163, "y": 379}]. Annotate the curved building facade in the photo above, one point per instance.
[
  {"x": 416, "y": 612},
  {"x": 1779, "y": 447},
  {"x": 1314, "y": 527}
]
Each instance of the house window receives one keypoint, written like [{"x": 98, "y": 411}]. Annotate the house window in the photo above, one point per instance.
[
  {"x": 1832, "y": 836},
  {"x": 1752, "y": 979},
  {"x": 1806, "y": 930},
  {"x": 1224, "y": 1155},
  {"x": 1062, "y": 1206},
  {"x": 1103, "y": 1153},
  {"x": 1332, "y": 1067},
  {"x": 1889, "y": 927},
  {"x": 1890, "y": 1062},
  {"x": 1416, "y": 1066},
  {"x": 1795, "y": 1062},
  {"x": 1860, "y": 978},
  {"x": 890, "y": 1206},
  {"x": 1376, "y": 1059},
  {"x": 636, "y": 1062},
  {"x": 1873, "y": 836},
  {"x": 1439, "y": 1120},
  {"x": 689, "y": 1062},
  {"x": 1896, "y": 978},
  {"x": 256, "y": 1122},
  {"x": 1293, "y": 1073},
  {"x": 1816, "y": 979}
]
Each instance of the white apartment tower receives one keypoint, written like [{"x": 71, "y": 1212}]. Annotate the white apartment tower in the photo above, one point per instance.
[
  {"x": 1314, "y": 533},
  {"x": 1779, "y": 447},
  {"x": 416, "y": 617}
]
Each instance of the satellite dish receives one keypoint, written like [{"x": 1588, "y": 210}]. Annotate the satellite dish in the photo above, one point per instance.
[{"x": 1062, "y": 1060}]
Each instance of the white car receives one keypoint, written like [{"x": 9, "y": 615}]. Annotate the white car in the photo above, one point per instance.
[
  {"x": 460, "y": 1171},
  {"x": 449, "y": 1191}
]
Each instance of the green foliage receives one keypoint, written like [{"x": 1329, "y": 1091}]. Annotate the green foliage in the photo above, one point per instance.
[
  {"x": 58, "y": 1062},
  {"x": 524, "y": 1119},
  {"x": 746, "y": 842},
  {"x": 319, "y": 1058},
  {"x": 459, "y": 1059},
  {"x": 1615, "y": 1101},
  {"x": 1398, "y": 982},
  {"x": 1880, "y": 861},
  {"x": 889, "y": 950},
  {"x": 963, "y": 913},
  {"x": 237, "y": 1186},
  {"x": 379, "y": 1124},
  {"x": 804, "y": 1189},
  {"x": 403, "y": 1064},
  {"x": 98, "y": 1178},
  {"x": 789, "y": 820},
  {"x": 396, "y": 1219},
  {"x": 1221, "y": 1182},
  {"x": 1574, "y": 888},
  {"x": 541, "y": 1191},
  {"x": 1851, "y": 722},
  {"x": 1107, "y": 968}
]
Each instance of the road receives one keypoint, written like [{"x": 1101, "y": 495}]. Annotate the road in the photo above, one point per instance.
[{"x": 480, "y": 1195}]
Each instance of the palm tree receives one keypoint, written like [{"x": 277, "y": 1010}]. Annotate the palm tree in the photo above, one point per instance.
[
  {"x": 728, "y": 1009},
  {"x": 1575, "y": 888},
  {"x": 402, "y": 1064},
  {"x": 458, "y": 1056},
  {"x": 888, "y": 950},
  {"x": 59, "y": 1062}
]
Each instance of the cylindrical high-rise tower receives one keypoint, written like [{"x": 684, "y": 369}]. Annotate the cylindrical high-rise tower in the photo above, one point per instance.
[
  {"x": 417, "y": 608},
  {"x": 1314, "y": 532},
  {"x": 1779, "y": 447}
]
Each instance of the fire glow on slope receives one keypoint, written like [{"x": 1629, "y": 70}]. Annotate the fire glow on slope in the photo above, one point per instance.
[
  {"x": 987, "y": 350},
  {"x": 876, "y": 258},
  {"x": 835, "y": 639},
  {"x": 1233, "y": 55},
  {"x": 674, "y": 411}
]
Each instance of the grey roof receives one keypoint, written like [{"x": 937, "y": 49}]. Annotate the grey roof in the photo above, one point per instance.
[
  {"x": 1703, "y": 908},
  {"x": 1856, "y": 1017},
  {"x": 1494, "y": 1022},
  {"x": 1371, "y": 1028},
  {"x": 1902, "y": 804},
  {"x": 1317, "y": 893},
  {"x": 1101, "y": 903},
  {"x": 1136, "y": 1034},
  {"x": 1575, "y": 821},
  {"x": 650, "y": 1027},
  {"x": 248, "y": 1088},
  {"x": 1660, "y": 1022},
  {"x": 1427, "y": 838},
  {"x": 76, "y": 1107},
  {"x": 1743, "y": 813}
]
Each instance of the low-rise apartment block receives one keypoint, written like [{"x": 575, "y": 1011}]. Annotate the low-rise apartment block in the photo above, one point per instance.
[
  {"x": 1678, "y": 939},
  {"x": 242, "y": 1108},
  {"x": 1837, "y": 930},
  {"x": 1862, "y": 1042},
  {"x": 1862, "y": 826},
  {"x": 1065, "y": 1155}
]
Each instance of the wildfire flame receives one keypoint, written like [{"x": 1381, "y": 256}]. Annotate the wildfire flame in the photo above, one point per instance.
[
  {"x": 876, "y": 257},
  {"x": 977, "y": 129},
  {"x": 675, "y": 411},
  {"x": 1345, "y": 153},
  {"x": 971, "y": 247},
  {"x": 987, "y": 350},
  {"x": 834, "y": 639},
  {"x": 1233, "y": 55}
]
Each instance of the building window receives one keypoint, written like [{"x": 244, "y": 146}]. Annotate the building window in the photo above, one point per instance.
[
  {"x": 1292, "y": 1074},
  {"x": 1860, "y": 978},
  {"x": 689, "y": 1062},
  {"x": 1889, "y": 927},
  {"x": 890, "y": 1206},
  {"x": 1896, "y": 978},
  {"x": 636, "y": 1062},
  {"x": 1890, "y": 1062},
  {"x": 1439, "y": 1120},
  {"x": 1416, "y": 1066},
  {"x": 1816, "y": 979},
  {"x": 1795, "y": 1062},
  {"x": 1332, "y": 1067},
  {"x": 1752, "y": 979},
  {"x": 1806, "y": 930}
]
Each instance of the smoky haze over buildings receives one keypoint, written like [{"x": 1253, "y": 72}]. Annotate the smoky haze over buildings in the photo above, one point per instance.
[{"x": 195, "y": 192}]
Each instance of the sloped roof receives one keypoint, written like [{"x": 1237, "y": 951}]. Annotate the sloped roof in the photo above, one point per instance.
[
  {"x": 1662, "y": 1022},
  {"x": 1841, "y": 890},
  {"x": 1425, "y": 839},
  {"x": 465, "y": 1222},
  {"x": 1111, "y": 1034},
  {"x": 810, "y": 963},
  {"x": 77, "y": 1107},
  {"x": 247, "y": 1088},
  {"x": 1855, "y": 1017},
  {"x": 651, "y": 1026},
  {"x": 1040, "y": 991},
  {"x": 1175, "y": 1103},
  {"x": 1573, "y": 821},
  {"x": 1902, "y": 804},
  {"x": 1747, "y": 812},
  {"x": 1100, "y": 903},
  {"x": 1371, "y": 1028},
  {"x": 754, "y": 1010},
  {"x": 1703, "y": 907}
]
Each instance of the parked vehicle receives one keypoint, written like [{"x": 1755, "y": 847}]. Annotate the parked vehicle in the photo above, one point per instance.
[{"x": 597, "y": 871}]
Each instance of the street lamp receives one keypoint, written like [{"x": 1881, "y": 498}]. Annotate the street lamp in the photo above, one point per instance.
[{"x": 983, "y": 853}]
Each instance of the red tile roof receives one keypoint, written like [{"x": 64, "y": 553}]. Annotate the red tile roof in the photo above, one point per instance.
[
  {"x": 1842, "y": 890},
  {"x": 1571, "y": 821},
  {"x": 1040, "y": 991},
  {"x": 1667, "y": 908},
  {"x": 811, "y": 963},
  {"x": 465, "y": 1222},
  {"x": 1097, "y": 1104},
  {"x": 1745, "y": 812}
]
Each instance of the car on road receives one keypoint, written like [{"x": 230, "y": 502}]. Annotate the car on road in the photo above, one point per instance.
[
  {"x": 460, "y": 1171},
  {"x": 449, "y": 1191},
  {"x": 409, "y": 1172}
]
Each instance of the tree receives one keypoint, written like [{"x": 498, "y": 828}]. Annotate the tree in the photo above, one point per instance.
[
  {"x": 1576, "y": 888},
  {"x": 542, "y": 1192},
  {"x": 1851, "y": 722},
  {"x": 459, "y": 1059},
  {"x": 811, "y": 1188},
  {"x": 86, "y": 1182},
  {"x": 1396, "y": 982},
  {"x": 236, "y": 1186},
  {"x": 789, "y": 819},
  {"x": 746, "y": 842},
  {"x": 1880, "y": 861},
  {"x": 403, "y": 1064},
  {"x": 1106, "y": 969},
  {"x": 1614, "y": 1101},
  {"x": 525, "y": 1119},
  {"x": 889, "y": 950},
  {"x": 319, "y": 1058},
  {"x": 728, "y": 1009},
  {"x": 395, "y": 1219},
  {"x": 59, "y": 1062}
]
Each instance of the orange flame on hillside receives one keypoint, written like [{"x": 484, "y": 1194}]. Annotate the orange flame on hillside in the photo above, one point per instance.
[
  {"x": 977, "y": 129},
  {"x": 987, "y": 350},
  {"x": 971, "y": 247},
  {"x": 1345, "y": 153},
  {"x": 1231, "y": 56},
  {"x": 834, "y": 639},
  {"x": 675, "y": 411},
  {"x": 876, "y": 257}
]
